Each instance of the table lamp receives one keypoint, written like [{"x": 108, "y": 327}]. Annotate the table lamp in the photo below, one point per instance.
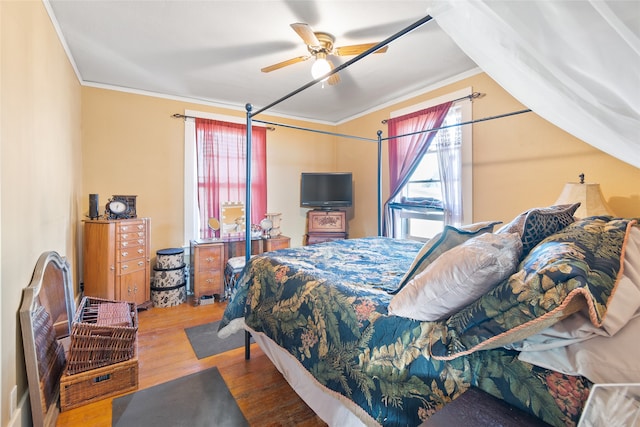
[{"x": 589, "y": 195}]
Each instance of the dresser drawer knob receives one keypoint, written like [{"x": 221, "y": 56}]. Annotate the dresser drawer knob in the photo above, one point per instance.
[
  {"x": 124, "y": 254},
  {"x": 124, "y": 267},
  {"x": 140, "y": 251}
]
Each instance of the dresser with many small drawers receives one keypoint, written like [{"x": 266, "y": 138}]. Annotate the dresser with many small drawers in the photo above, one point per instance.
[{"x": 116, "y": 261}]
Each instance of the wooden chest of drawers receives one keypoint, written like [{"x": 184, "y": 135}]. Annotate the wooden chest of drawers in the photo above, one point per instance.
[
  {"x": 116, "y": 262},
  {"x": 323, "y": 226},
  {"x": 207, "y": 259}
]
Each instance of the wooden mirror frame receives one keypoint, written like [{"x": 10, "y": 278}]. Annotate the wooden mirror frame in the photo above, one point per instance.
[{"x": 46, "y": 315}]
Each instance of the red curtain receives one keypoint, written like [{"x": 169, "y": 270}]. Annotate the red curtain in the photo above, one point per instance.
[
  {"x": 406, "y": 152},
  {"x": 221, "y": 159}
]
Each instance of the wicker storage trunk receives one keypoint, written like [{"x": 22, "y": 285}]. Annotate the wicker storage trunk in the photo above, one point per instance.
[
  {"x": 103, "y": 333},
  {"x": 96, "y": 384}
]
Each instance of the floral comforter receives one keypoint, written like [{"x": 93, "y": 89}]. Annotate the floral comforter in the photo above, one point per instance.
[{"x": 326, "y": 304}]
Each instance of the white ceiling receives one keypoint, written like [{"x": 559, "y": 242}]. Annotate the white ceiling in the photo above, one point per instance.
[{"x": 212, "y": 51}]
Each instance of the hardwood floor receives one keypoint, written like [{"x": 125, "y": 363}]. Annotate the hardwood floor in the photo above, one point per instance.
[{"x": 164, "y": 353}]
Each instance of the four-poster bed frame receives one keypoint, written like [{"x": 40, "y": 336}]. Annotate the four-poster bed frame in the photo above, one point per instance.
[
  {"x": 250, "y": 114},
  {"x": 325, "y": 315}
]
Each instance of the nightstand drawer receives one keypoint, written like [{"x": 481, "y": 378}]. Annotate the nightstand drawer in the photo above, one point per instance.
[
  {"x": 326, "y": 221},
  {"x": 275, "y": 243}
]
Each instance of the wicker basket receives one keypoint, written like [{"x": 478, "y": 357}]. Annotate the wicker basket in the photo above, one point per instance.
[
  {"x": 97, "y": 384},
  {"x": 103, "y": 333}
]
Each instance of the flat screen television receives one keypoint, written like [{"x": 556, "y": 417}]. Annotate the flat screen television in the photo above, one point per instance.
[{"x": 326, "y": 190}]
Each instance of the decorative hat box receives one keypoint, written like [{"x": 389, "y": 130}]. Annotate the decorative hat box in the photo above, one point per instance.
[{"x": 169, "y": 284}]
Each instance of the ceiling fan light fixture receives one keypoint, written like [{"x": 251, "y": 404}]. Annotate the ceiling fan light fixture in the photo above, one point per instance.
[{"x": 320, "y": 67}]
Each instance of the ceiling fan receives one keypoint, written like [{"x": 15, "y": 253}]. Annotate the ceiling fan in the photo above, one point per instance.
[{"x": 320, "y": 46}]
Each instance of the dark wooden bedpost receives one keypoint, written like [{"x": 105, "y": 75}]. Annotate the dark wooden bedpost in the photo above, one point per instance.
[
  {"x": 379, "y": 182},
  {"x": 247, "y": 216}
]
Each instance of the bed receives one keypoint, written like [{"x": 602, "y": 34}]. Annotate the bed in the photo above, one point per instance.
[
  {"x": 362, "y": 335},
  {"x": 337, "y": 318}
]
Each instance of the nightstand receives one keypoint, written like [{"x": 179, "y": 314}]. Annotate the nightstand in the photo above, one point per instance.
[
  {"x": 326, "y": 225},
  {"x": 277, "y": 242}
]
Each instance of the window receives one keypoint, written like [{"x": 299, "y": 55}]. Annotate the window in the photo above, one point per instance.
[
  {"x": 221, "y": 169},
  {"x": 425, "y": 184},
  {"x": 442, "y": 177},
  {"x": 215, "y": 170}
]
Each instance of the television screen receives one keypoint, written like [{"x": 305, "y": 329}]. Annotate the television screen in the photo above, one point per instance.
[{"x": 326, "y": 190}]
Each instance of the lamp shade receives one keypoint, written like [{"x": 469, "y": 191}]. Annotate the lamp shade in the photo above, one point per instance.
[{"x": 589, "y": 195}]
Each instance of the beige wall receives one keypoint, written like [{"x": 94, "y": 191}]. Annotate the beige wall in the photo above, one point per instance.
[
  {"x": 40, "y": 169},
  {"x": 60, "y": 142},
  {"x": 519, "y": 162},
  {"x": 132, "y": 145}
]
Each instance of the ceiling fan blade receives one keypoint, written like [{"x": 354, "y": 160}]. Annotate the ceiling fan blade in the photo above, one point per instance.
[
  {"x": 334, "y": 79},
  {"x": 306, "y": 33},
  {"x": 357, "y": 49},
  {"x": 284, "y": 63}
]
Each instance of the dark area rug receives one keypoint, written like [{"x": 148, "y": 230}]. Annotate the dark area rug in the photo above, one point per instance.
[
  {"x": 205, "y": 342},
  {"x": 197, "y": 400}
]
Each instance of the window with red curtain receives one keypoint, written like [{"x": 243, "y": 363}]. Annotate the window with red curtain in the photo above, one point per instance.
[
  {"x": 405, "y": 152},
  {"x": 221, "y": 169}
]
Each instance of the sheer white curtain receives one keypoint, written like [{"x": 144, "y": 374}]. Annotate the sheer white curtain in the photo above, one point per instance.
[
  {"x": 449, "y": 145},
  {"x": 574, "y": 63}
]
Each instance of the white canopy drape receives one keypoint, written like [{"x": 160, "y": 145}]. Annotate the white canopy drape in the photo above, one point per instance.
[{"x": 574, "y": 63}]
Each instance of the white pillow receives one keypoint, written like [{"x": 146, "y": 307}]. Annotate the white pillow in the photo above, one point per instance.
[
  {"x": 601, "y": 359},
  {"x": 458, "y": 277},
  {"x": 607, "y": 354}
]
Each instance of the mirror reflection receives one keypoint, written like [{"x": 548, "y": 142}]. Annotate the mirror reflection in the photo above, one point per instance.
[{"x": 233, "y": 220}]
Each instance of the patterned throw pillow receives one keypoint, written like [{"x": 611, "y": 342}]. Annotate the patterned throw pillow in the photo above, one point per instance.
[
  {"x": 442, "y": 242},
  {"x": 574, "y": 269},
  {"x": 537, "y": 224}
]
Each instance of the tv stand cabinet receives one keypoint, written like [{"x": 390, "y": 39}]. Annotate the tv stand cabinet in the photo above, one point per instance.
[{"x": 326, "y": 225}]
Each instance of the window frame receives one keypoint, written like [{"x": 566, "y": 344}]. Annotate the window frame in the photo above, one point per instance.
[
  {"x": 465, "y": 106},
  {"x": 191, "y": 215}
]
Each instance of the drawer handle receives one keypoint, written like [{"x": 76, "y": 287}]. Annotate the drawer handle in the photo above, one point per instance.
[
  {"x": 124, "y": 228},
  {"x": 140, "y": 227},
  {"x": 209, "y": 280},
  {"x": 125, "y": 235},
  {"x": 124, "y": 254},
  {"x": 140, "y": 263},
  {"x": 209, "y": 259},
  {"x": 140, "y": 250},
  {"x": 124, "y": 267},
  {"x": 141, "y": 241},
  {"x": 125, "y": 244}
]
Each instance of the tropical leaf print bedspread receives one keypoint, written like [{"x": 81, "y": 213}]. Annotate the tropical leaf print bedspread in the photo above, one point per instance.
[{"x": 326, "y": 304}]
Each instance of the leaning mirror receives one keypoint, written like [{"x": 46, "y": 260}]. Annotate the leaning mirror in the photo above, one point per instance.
[{"x": 233, "y": 220}]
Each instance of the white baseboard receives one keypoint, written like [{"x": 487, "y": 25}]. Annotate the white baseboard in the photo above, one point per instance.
[{"x": 22, "y": 415}]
